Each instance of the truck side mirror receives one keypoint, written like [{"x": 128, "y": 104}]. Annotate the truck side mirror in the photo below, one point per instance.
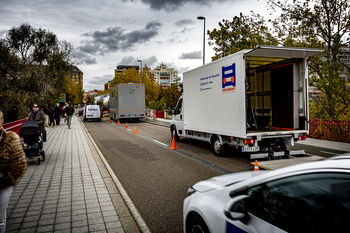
[{"x": 236, "y": 209}]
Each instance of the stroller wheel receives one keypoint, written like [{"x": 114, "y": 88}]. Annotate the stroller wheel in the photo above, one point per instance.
[
  {"x": 43, "y": 155},
  {"x": 38, "y": 161}
]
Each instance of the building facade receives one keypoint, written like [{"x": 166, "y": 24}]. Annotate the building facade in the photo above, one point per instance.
[
  {"x": 76, "y": 75},
  {"x": 165, "y": 76}
]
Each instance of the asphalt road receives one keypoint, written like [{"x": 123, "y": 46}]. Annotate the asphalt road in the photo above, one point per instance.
[{"x": 155, "y": 177}]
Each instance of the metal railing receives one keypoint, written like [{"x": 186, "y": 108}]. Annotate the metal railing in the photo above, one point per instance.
[
  {"x": 328, "y": 129},
  {"x": 14, "y": 126}
]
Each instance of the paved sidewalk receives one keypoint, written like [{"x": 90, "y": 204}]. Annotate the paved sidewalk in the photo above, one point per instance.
[{"x": 71, "y": 191}]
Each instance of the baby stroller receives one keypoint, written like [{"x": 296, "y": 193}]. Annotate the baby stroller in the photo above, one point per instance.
[{"x": 31, "y": 137}]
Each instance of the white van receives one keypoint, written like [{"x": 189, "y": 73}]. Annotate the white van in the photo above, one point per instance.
[{"x": 92, "y": 112}]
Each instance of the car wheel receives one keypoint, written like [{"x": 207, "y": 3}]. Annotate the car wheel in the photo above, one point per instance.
[
  {"x": 197, "y": 225},
  {"x": 218, "y": 148},
  {"x": 84, "y": 119},
  {"x": 174, "y": 133}
]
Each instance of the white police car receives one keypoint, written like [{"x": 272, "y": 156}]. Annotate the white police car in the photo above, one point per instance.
[{"x": 310, "y": 197}]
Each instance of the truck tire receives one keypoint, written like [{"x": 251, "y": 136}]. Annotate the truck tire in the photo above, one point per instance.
[
  {"x": 174, "y": 133},
  {"x": 219, "y": 149}
]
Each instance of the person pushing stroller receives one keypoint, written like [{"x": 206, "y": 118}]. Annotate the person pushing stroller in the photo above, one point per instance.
[{"x": 37, "y": 115}]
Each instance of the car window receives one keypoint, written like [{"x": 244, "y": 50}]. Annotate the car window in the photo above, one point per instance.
[{"x": 317, "y": 202}]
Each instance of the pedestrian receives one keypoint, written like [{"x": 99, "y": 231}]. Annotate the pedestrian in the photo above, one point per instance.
[
  {"x": 69, "y": 110},
  {"x": 37, "y": 115},
  {"x": 57, "y": 111},
  {"x": 64, "y": 114},
  {"x": 12, "y": 167},
  {"x": 51, "y": 116}
]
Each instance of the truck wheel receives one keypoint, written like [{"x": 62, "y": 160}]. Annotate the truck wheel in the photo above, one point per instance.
[
  {"x": 218, "y": 148},
  {"x": 174, "y": 133}
]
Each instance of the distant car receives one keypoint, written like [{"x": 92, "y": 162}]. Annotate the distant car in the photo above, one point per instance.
[
  {"x": 310, "y": 197},
  {"x": 81, "y": 112}
]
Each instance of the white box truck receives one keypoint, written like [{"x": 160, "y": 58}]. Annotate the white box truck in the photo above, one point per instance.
[
  {"x": 127, "y": 101},
  {"x": 255, "y": 100}
]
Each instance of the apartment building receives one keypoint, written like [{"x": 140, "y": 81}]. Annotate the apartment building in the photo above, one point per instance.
[
  {"x": 76, "y": 75},
  {"x": 165, "y": 76}
]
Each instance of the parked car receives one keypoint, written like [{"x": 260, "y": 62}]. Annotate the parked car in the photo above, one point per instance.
[{"x": 310, "y": 197}]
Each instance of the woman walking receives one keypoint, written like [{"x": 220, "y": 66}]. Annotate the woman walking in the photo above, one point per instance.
[{"x": 12, "y": 167}]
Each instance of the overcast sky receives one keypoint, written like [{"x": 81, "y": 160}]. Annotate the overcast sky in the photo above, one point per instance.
[{"x": 107, "y": 33}]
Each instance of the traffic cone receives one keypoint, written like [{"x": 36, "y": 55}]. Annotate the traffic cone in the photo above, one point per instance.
[
  {"x": 135, "y": 131},
  {"x": 118, "y": 122},
  {"x": 154, "y": 117},
  {"x": 109, "y": 120},
  {"x": 256, "y": 167},
  {"x": 173, "y": 144},
  {"x": 126, "y": 125}
]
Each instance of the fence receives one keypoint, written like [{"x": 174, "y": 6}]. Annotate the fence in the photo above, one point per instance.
[
  {"x": 332, "y": 130},
  {"x": 14, "y": 126}
]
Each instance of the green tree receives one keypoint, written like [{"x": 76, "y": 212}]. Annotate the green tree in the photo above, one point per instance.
[
  {"x": 170, "y": 95},
  {"x": 33, "y": 67},
  {"x": 133, "y": 76},
  {"x": 74, "y": 91}
]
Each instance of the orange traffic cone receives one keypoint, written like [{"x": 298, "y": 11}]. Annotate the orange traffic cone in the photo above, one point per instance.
[
  {"x": 256, "y": 167},
  {"x": 173, "y": 144},
  {"x": 118, "y": 122},
  {"x": 126, "y": 125},
  {"x": 154, "y": 117},
  {"x": 109, "y": 120},
  {"x": 135, "y": 131}
]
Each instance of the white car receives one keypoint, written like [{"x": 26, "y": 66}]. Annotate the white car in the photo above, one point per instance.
[{"x": 310, "y": 197}]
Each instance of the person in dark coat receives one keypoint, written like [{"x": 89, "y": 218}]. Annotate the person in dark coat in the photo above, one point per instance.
[
  {"x": 69, "y": 110},
  {"x": 48, "y": 112},
  {"x": 57, "y": 112},
  {"x": 37, "y": 115}
]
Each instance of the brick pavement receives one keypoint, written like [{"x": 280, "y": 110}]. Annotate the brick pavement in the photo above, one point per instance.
[{"x": 71, "y": 191}]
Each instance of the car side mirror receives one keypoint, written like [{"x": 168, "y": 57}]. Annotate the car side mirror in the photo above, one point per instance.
[{"x": 236, "y": 208}]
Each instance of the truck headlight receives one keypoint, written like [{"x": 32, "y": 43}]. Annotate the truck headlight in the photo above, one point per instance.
[{"x": 190, "y": 191}]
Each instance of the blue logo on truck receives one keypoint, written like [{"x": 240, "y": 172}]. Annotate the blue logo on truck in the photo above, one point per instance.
[{"x": 229, "y": 79}]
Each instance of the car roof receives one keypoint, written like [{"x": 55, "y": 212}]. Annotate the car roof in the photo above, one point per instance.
[{"x": 341, "y": 163}]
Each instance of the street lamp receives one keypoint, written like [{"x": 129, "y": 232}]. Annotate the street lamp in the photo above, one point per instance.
[
  {"x": 140, "y": 71},
  {"x": 202, "y": 18}
]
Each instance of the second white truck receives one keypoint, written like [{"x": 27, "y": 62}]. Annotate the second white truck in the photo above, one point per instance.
[{"x": 256, "y": 100}]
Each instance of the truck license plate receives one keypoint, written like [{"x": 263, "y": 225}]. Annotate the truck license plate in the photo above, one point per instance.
[{"x": 250, "y": 149}]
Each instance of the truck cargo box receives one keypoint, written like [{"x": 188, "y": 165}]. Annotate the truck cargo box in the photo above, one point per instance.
[
  {"x": 127, "y": 101},
  {"x": 259, "y": 92}
]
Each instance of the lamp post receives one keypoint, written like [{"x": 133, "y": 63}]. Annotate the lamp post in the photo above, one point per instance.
[
  {"x": 202, "y": 18},
  {"x": 140, "y": 71}
]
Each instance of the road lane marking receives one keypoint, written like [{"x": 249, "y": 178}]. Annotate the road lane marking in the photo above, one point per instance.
[
  {"x": 329, "y": 153},
  {"x": 160, "y": 143}
]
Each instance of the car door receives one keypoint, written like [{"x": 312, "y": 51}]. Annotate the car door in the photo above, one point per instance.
[{"x": 313, "y": 202}]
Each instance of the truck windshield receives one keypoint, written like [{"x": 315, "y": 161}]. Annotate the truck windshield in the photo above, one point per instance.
[{"x": 178, "y": 107}]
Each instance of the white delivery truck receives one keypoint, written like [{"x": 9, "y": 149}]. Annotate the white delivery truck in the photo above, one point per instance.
[
  {"x": 127, "y": 101},
  {"x": 255, "y": 100}
]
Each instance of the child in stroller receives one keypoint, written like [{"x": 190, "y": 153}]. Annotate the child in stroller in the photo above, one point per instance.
[{"x": 31, "y": 137}]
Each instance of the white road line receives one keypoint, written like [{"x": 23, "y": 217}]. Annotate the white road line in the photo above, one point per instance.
[
  {"x": 329, "y": 152},
  {"x": 160, "y": 143}
]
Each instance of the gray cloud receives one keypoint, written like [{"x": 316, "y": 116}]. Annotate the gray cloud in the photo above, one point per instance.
[
  {"x": 117, "y": 39},
  {"x": 151, "y": 61},
  {"x": 192, "y": 55},
  {"x": 81, "y": 57},
  {"x": 173, "y": 5},
  {"x": 3, "y": 33},
  {"x": 184, "y": 22},
  {"x": 100, "y": 80}
]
